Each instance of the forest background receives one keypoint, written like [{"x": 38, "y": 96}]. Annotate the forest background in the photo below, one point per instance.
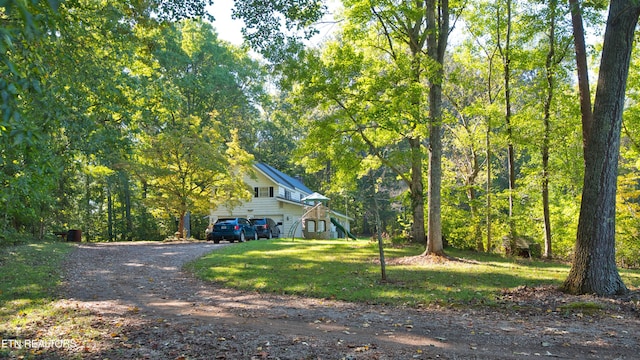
[{"x": 118, "y": 118}]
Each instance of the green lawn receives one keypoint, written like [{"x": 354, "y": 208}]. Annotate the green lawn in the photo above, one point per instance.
[
  {"x": 349, "y": 270},
  {"x": 29, "y": 276}
]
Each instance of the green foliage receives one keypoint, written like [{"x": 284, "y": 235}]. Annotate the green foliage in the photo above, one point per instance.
[
  {"x": 95, "y": 94},
  {"x": 628, "y": 196},
  {"x": 78, "y": 101},
  {"x": 278, "y": 28}
]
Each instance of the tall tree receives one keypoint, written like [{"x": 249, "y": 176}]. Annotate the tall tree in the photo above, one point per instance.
[
  {"x": 506, "y": 53},
  {"x": 551, "y": 78},
  {"x": 466, "y": 99},
  {"x": 380, "y": 91},
  {"x": 185, "y": 165},
  {"x": 557, "y": 42},
  {"x": 437, "y": 28},
  {"x": 477, "y": 88},
  {"x": 70, "y": 95},
  {"x": 594, "y": 267}
]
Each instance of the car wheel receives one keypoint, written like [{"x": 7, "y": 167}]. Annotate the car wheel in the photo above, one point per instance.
[
  {"x": 242, "y": 238},
  {"x": 216, "y": 241}
]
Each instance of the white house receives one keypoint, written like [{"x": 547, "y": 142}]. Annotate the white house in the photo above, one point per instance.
[{"x": 279, "y": 196}]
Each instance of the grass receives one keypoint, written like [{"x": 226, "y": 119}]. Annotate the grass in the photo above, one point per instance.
[
  {"x": 29, "y": 276},
  {"x": 350, "y": 271},
  {"x": 337, "y": 269}
]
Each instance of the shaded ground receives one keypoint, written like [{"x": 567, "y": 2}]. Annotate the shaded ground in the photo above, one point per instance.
[{"x": 132, "y": 301}]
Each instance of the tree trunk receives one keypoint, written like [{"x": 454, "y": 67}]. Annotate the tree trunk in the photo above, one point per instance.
[
  {"x": 471, "y": 195},
  {"x": 505, "y": 52},
  {"x": 437, "y": 16},
  {"x": 110, "y": 214},
  {"x": 417, "y": 191},
  {"x": 126, "y": 184},
  {"x": 434, "y": 239},
  {"x": 583, "y": 69},
  {"x": 550, "y": 69},
  {"x": 489, "y": 174},
  {"x": 383, "y": 266},
  {"x": 477, "y": 232},
  {"x": 594, "y": 267},
  {"x": 507, "y": 118},
  {"x": 181, "y": 225}
]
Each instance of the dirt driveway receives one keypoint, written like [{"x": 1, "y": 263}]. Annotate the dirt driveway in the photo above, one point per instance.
[{"x": 141, "y": 305}]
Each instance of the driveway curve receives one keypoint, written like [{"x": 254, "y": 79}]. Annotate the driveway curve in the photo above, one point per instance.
[{"x": 140, "y": 304}]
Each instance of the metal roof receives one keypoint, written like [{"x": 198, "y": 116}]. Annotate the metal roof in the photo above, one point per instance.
[{"x": 282, "y": 178}]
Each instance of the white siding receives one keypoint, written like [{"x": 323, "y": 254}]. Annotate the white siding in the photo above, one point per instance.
[{"x": 288, "y": 214}]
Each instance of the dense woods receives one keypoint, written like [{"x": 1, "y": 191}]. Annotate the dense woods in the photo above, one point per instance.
[{"x": 458, "y": 122}]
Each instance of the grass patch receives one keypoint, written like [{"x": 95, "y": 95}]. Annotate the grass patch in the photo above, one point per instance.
[
  {"x": 588, "y": 307},
  {"x": 350, "y": 271},
  {"x": 30, "y": 275}
]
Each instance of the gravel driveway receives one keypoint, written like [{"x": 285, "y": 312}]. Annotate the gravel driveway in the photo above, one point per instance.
[{"x": 141, "y": 305}]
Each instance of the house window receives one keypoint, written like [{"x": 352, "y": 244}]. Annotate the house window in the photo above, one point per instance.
[
  {"x": 287, "y": 194},
  {"x": 263, "y": 192}
]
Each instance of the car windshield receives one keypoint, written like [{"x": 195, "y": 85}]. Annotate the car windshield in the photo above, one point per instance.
[
  {"x": 226, "y": 221},
  {"x": 259, "y": 221}
]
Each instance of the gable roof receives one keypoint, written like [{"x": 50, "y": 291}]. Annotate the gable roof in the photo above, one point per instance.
[{"x": 281, "y": 178}]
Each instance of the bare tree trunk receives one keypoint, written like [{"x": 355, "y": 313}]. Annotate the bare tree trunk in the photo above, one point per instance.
[
  {"x": 505, "y": 52},
  {"x": 489, "y": 174},
  {"x": 180, "y": 231},
  {"x": 477, "y": 231},
  {"x": 583, "y": 69},
  {"x": 550, "y": 68},
  {"x": 511, "y": 162},
  {"x": 594, "y": 267},
  {"x": 110, "y": 213},
  {"x": 417, "y": 191},
  {"x": 126, "y": 184},
  {"x": 434, "y": 239},
  {"x": 383, "y": 266},
  {"x": 437, "y": 16}
]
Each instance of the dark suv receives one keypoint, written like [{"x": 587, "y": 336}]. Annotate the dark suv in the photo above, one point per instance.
[
  {"x": 266, "y": 227},
  {"x": 232, "y": 229}
]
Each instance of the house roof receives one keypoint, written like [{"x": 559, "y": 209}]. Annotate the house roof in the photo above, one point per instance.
[{"x": 283, "y": 179}]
